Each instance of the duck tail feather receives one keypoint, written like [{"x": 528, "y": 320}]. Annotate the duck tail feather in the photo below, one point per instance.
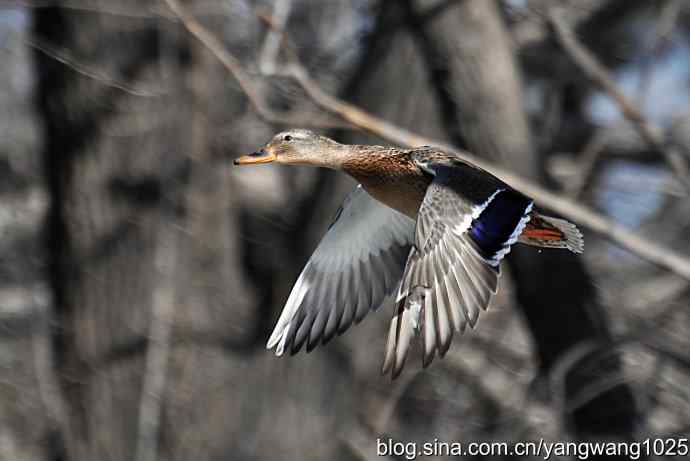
[{"x": 550, "y": 232}]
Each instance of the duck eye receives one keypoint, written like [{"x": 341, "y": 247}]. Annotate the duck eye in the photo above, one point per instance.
[{"x": 287, "y": 138}]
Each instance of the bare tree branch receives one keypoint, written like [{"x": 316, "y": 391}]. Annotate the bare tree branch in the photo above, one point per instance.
[
  {"x": 589, "y": 157},
  {"x": 665, "y": 24},
  {"x": 137, "y": 11},
  {"x": 268, "y": 61},
  {"x": 645, "y": 334},
  {"x": 596, "y": 72},
  {"x": 49, "y": 388},
  {"x": 234, "y": 66},
  {"x": 162, "y": 315},
  {"x": 645, "y": 249},
  {"x": 64, "y": 57}
]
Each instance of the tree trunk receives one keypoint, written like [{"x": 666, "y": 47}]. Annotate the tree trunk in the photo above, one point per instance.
[
  {"x": 148, "y": 224},
  {"x": 110, "y": 153}
]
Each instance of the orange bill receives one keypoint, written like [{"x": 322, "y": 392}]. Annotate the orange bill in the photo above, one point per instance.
[{"x": 261, "y": 156}]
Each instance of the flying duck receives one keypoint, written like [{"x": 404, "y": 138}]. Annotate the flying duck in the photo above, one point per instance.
[{"x": 422, "y": 224}]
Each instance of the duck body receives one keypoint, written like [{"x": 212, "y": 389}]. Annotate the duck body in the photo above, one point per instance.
[
  {"x": 390, "y": 176},
  {"x": 423, "y": 225},
  {"x": 399, "y": 179}
]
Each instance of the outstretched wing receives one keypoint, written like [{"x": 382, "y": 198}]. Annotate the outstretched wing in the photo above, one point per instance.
[
  {"x": 356, "y": 265},
  {"x": 466, "y": 224}
]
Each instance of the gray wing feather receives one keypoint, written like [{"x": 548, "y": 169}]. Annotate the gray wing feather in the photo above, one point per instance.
[
  {"x": 429, "y": 329},
  {"x": 446, "y": 282},
  {"x": 357, "y": 263},
  {"x": 444, "y": 325}
]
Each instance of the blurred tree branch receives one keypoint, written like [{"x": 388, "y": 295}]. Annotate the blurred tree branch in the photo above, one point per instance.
[
  {"x": 162, "y": 316},
  {"x": 666, "y": 22},
  {"x": 596, "y": 72},
  {"x": 268, "y": 61},
  {"x": 246, "y": 82},
  {"x": 649, "y": 334},
  {"x": 136, "y": 11},
  {"x": 50, "y": 394},
  {"x": 644, "y": 248},
  {"x": 64, "y": 57}
]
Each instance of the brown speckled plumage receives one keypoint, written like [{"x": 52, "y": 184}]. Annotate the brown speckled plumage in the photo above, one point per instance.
[{"x": 390, "y": 176}]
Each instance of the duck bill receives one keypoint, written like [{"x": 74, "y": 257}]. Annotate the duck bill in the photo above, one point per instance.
[{"x": 261, "y": 156}]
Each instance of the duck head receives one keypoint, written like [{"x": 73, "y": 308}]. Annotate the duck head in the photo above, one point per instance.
[{"x": 297, "y": 147}]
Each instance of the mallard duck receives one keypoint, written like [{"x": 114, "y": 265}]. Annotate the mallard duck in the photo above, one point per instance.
[{"x": 422, "y": 223}]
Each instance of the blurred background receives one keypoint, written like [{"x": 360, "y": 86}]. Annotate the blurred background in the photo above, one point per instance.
[{"x": 141, "y": 274}]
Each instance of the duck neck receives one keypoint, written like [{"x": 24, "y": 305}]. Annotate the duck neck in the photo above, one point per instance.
[
  {"x": 337, "y": 155},
  {"x": 365, "y": 161}
]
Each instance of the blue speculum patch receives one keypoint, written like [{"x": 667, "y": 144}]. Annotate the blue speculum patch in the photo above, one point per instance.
[{"x": 494, "y": 226}]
